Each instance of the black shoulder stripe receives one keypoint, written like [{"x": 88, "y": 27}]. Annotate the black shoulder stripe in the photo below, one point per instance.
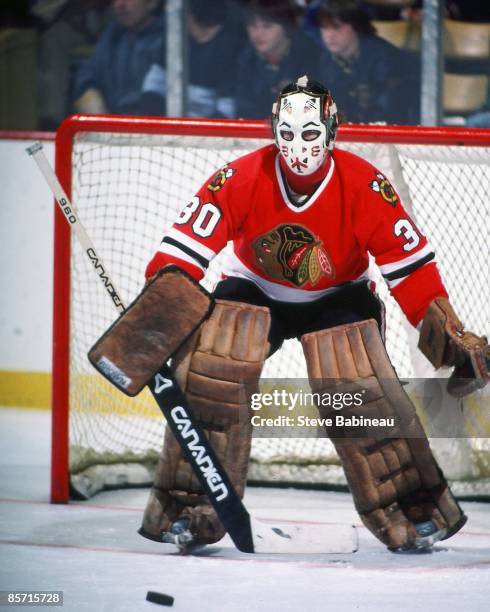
[
  {"x": 185, "y": 249},
  {"x": 401, "y": 272}
]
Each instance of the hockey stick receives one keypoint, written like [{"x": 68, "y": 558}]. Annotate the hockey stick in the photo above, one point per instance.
[{"x": 248, "y": 534}]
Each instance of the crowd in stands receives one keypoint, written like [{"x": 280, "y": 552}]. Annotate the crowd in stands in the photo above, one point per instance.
[{"x": 109, "y": 56}]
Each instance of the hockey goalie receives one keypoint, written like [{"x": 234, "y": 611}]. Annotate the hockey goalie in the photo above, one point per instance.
[{"x": 303, "y": 218}]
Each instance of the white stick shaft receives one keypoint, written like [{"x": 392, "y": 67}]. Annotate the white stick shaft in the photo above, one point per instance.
[{"x": 36, "y": 151}]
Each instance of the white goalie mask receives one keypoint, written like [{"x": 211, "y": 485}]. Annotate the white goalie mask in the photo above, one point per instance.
[{"x": 304, "y": 121}]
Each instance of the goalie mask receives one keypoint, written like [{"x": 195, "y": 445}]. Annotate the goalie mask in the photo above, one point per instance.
[{"x": 304, "y": 121}]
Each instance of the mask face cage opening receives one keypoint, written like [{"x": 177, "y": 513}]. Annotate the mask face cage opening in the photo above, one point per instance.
[{"x": 329, "y": 116}]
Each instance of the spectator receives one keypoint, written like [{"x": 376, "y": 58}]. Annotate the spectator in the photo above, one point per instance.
[
  {"x": 277, "y": 53},
  {"x": 373, "y": 80},
  {"x": 111, "y": 80},
  {"x": 215, "y": 37},
  {"x": 69, "y": 29}
]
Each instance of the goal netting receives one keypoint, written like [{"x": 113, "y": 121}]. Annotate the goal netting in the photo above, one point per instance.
[{"x": 128, "y": 180}]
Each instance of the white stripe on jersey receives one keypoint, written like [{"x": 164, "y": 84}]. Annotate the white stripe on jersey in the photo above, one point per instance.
[
  {"x": 170, "y": 249},
  {"x": 406, "y": 261},
  {"x": 189, "y": 242},
  {"x": 402, "y": 263},
  {"x": 309, "y": 201},
  {"x": 392, "y": 284},
  {"x": 235, "y": 267}
]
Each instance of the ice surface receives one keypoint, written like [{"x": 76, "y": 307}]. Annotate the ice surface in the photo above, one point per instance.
[{"x": 92, "y": 552}]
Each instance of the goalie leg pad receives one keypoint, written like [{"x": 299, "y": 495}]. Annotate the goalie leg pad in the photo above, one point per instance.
[
  {"x": 395, "y": 481},
  {"x": 218, "y": 369}
]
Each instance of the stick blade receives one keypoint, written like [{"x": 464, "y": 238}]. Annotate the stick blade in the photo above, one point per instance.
[{"x": 291, "y": 538}]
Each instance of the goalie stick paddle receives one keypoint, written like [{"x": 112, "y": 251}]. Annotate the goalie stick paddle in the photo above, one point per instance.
[{"x": 247, "y": 533}]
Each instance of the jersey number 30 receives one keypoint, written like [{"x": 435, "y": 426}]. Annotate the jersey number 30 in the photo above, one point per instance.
[{"x": 206, "y": 220}]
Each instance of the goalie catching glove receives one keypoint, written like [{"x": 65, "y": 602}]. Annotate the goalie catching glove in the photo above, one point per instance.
[{"x": 444, "y": 341}]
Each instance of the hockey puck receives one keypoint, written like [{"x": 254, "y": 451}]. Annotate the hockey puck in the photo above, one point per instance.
[{"x": 160, "y": 598}]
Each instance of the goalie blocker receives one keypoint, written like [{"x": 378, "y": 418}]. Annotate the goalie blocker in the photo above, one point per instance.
[{"x": 152, "y": 329}]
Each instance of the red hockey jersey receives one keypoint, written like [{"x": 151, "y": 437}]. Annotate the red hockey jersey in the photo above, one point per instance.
[{"x": 298, "y": 252}]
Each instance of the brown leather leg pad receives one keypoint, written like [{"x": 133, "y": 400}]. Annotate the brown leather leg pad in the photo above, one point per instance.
[
  {"x": 218, "y": 369},
  {"x": 393, "y": 476}
]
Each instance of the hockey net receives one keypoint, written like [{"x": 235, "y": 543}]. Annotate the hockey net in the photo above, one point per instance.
[{"x": 129, "y": 178}]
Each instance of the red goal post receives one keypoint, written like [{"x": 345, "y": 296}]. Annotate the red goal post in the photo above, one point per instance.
[{"x": 76, "y": 128}]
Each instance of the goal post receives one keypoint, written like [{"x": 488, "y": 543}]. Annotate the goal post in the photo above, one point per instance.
[{"x": 128, "y": 177}]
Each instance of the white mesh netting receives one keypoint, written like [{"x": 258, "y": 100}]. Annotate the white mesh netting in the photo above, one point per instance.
[{"x": 128, "y": 190}]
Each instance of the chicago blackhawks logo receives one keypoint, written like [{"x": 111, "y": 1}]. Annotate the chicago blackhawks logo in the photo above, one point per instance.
[
  {"x": 220, "y": 178},
  {"x": 293, "y": 253},
  {"x": 383, "y": 186}
]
